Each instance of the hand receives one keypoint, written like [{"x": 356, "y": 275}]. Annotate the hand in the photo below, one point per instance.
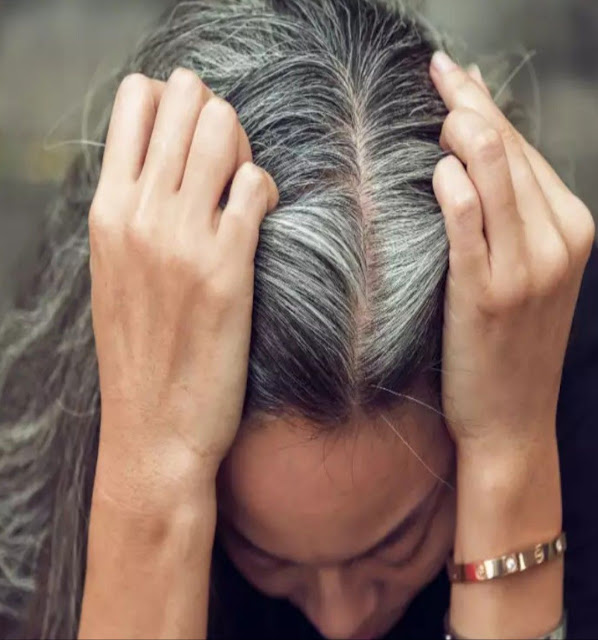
[
  {"x": 519, "y": 243},
  {"x": 172, "y": 280}
]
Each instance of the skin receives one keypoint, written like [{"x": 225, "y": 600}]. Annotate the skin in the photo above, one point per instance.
[
  {"x": 321, "y": 517},
  {"x": 172, "y": 339},
  {"x": 321, "y": 502},
  {"x": 172, "y": 290}
]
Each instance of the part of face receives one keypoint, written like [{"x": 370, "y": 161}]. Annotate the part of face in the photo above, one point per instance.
[{"x": 323, "y": 500}]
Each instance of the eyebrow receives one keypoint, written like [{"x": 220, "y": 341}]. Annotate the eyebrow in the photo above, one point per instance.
[{"x": 394, "y": 534}]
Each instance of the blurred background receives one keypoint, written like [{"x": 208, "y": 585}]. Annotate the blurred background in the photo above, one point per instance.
[{"x": 52, "y": 52}]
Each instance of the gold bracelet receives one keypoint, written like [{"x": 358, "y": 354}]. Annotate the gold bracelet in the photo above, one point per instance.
[{"x": 508, "y": 564}]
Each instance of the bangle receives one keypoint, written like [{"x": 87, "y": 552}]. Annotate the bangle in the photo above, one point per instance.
[
  {"x": 513, "y": 562},
  {"x": 559, "y": 633}
]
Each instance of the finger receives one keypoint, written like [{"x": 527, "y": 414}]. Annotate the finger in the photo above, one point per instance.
[
  {"x": 253, "y": 194},
  {"x": 184, "y": 96},
  {"x": 481, "y": 149},
  {"x": 244, "y": 154},
  {"x": 464, "y": 221},
  {"x": 212, "y": 160},
  {"x": 551, "y": 184},
  {"x": 223, "y": 138},
  {"x": 534, "y": 233},
  {"x": 572, "y": 218},
  {"x": 131, "y": 122},
  {"x": 457, "y": 89}
]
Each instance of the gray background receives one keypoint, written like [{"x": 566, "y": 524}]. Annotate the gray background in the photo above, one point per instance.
[{"x": 53, "y": 51}]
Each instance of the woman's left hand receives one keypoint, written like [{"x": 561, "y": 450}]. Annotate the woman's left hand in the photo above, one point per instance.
[{"x": 519, "y": 243}]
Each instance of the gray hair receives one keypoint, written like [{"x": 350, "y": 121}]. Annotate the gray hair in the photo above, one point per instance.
[{"x": 350, "y": 269}]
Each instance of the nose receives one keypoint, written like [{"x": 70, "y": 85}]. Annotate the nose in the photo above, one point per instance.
[{"x": 339, "y": 604}]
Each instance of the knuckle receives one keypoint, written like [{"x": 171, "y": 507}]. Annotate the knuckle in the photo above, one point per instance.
[
  {"x": 191, "y": 265},
  {"x": 135, "y": 92},
  {"x": 583, "y": 228},
  {"x": 98, "y": 222},
  {"x": 184, "y": 78},
  {"x": 215, "y": 287},
  {"x": 578, "y": 206},
  {"x": 453, "y": 119},
  {"x": 512, "y": 292},
  {"x": 443, "y": 178},
  {"x": 520, "y": 286},
  {"x": 137, "y": 234},
  {"x": 225, "y": 118},
  {"x": 464, "y": 206},
  {"x": 223, "y": 109},
  {"x": 559, "y": 257},
  {"x": 589, "y": 235},
  {"x": 183, "y": 263},
  {"x": 253, "y": 178},
  {"x": 438, "y": 173},
  {"x": 220, "y": 293},
  {"x": 552, "y": 267},
  {"x": 487, "y": 145},
  {"x": 449, "y": 126},
  {"x": 134, "y": 83},
  {"x": 202, "y": 269},
  {"x": 95, "y": 211},
  {"x": 96, "y": 231},
  {"x": 442, "y": 168}
]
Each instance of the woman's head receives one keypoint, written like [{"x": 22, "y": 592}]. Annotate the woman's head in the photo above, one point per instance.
[
  {"x": 338, "y": 106},
  {"x": 336, "y": 100},
  {"x": 346, "y": 338}
]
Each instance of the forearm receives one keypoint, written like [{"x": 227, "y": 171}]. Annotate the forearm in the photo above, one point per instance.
[
  {"x": 508, "y": 503},
  {"x": 148, "y": 575}
]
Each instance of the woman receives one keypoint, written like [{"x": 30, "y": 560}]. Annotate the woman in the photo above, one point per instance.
[{"x": 324, "y": 418}]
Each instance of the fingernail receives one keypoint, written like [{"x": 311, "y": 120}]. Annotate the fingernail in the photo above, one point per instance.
[{"x": 442, "y": 62}]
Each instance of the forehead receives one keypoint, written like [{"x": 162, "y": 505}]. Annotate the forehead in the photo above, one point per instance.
[{"x": 309, "y": 497}]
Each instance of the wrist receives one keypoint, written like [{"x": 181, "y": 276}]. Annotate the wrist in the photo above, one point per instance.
[
  {"x": 509, "y": 501},
  {"x": 502, "y": 474},
  {"x": 501, "y": 451},
  {"x": 148, "y": 528},
  {"x": 136, "y": 500},
  {"x": 148, "y": 570},
  {"x": 151, "y": 481}
]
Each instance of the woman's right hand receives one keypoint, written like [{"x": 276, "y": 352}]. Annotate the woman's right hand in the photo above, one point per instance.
[{"x": 172, "y": 285}]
